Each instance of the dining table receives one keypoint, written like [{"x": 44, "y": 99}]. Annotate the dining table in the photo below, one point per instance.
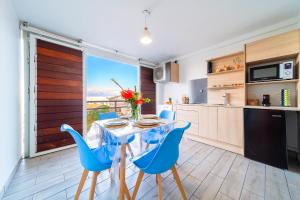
[{"x": 121, "y": 133}]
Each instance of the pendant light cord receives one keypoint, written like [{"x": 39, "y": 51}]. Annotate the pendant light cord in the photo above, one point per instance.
[{"x": 146, "y": 13}]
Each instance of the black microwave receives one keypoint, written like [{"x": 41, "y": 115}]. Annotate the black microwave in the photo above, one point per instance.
[{"x": 271, "y": 71}]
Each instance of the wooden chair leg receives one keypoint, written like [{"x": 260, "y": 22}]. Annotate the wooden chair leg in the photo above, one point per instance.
[
  {"x": 127, "y": 194},
  {"x": 178, "y": 182},
  {"x": 160, "y": 192},
  {"x": 81, "y": 184},
  {"x": 137, "y": 185},
  {"x": 94, "y": 181},
  {"x": 130, "y": 150}
]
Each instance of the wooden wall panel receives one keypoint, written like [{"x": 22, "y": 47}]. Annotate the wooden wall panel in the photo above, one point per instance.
[
  {"x": 148, "y": 89},
  {"x": 59, "y": 94}
]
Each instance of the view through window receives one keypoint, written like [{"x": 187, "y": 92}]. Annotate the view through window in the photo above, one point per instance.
[{"x": 102, "y": 94}]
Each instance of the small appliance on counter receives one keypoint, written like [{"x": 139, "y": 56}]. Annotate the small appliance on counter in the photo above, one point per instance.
[
  {"x": 253, "y": 102},
  {"x": 266, "y": 100},
  {"x": 185, "y": 100},
  {"x": 285, "y": 97},
  {"x": 281, "y": 70}
]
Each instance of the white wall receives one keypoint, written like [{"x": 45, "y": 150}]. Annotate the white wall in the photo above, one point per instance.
[
  {"x": 193, "y": 66},
  {"x": 9, "y": 91}
]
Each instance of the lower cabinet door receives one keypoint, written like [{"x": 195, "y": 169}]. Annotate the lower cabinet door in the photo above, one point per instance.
[
  {"x": 212, "y": 123},
  {"x": 230, "y": 125},
  {"x": 208, "y": 118},
  {"x": 190, "y": 116},
  {"x": 203, "y": 122}
]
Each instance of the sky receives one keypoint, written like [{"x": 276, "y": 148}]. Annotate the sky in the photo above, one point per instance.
[{"x": 99, "y": 73}]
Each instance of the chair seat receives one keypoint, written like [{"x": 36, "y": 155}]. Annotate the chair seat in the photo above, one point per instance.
[
  {"x": 116, "y": 141},
  {"x": 102, "y": 156},
  {"x": 152, "y": 137}
]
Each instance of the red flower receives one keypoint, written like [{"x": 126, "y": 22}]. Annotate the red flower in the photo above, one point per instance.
[
  {"x": 139, "y": 102},
  {"x": 127, "y": 94}
]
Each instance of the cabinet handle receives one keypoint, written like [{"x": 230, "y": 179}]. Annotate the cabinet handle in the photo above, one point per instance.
[{"x": 277, "y": 116}]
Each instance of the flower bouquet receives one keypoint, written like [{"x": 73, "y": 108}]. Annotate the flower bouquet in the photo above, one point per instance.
[{"x": 135, "y": 100}]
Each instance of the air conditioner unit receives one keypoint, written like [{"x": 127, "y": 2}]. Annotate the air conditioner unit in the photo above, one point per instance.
[
  {"x": 168, "y": 72},
  {"x": 159, "y": 74}
]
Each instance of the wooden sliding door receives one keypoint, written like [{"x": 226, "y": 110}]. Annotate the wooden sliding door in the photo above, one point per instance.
[
  {"x": 59, "y": 94},
  {"x": 148, "y": 88}
]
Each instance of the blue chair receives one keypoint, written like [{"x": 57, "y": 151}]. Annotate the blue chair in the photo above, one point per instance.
[
  {"x": 160, "y": 159},
  {"x": 95, "y": 160},
  {"x": 115, "y": 141},
  {"x": 155, "y": 135}
]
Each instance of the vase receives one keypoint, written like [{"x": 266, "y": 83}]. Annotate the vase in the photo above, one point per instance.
[{"x": 135, "y": 112}]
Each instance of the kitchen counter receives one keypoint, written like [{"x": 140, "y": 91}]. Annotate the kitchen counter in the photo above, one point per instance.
[
  {"x": 254, "y": 107},
  {"x": 214, "y": 105},
  {"x": 274, "y": 108}
]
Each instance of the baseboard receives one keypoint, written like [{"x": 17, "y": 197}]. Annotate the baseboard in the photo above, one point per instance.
[{"x": 11, "y": 176}]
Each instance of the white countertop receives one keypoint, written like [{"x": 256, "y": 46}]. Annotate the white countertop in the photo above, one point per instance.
[
  {"x": 254, "y": 107},
  {"x": 274, "y": 108}
]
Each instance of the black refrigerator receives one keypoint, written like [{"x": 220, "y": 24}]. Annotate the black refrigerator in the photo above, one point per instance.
[{"x": 265, "y": 136}]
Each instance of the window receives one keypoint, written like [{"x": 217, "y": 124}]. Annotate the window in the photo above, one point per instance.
[{"x": 102, "y": 94}]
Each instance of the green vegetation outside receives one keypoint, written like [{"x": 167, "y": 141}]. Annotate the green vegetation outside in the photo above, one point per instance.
[{"x": 93, "y": 115}]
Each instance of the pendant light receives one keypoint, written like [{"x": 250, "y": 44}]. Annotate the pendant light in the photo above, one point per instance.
[{"x": 146, "y": 38}]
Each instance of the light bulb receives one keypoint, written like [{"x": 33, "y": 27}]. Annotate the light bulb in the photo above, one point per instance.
[{"x": 146, "y": 38}]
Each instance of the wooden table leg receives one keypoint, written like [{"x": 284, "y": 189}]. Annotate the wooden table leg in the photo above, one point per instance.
[{"x": 122, "y": 172}]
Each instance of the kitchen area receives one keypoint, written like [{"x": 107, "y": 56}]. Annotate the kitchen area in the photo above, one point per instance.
[{"x": 249, "y": 103}]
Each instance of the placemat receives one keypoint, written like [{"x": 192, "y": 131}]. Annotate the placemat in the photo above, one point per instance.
[
  {"x": 157, "y": 118},
  {"x": 146, "y": 126},
  {"x": 115, "y": 126}
]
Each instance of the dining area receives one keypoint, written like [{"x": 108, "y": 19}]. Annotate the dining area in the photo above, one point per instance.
[{"x": 151, "y": 144}]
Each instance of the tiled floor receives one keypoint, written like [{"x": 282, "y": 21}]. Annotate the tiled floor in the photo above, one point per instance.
[{"x": 206, "y": 172}]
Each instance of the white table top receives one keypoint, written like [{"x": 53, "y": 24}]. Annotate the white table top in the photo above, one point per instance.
[{"x": 130, "y": 129}]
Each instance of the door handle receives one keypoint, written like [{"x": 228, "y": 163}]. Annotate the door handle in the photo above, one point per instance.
[{"x": 277, "y": 116}]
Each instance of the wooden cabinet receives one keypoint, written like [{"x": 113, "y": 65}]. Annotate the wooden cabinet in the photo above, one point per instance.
[
  {"x": 173, "y": 68},
  {"x": 230, "y": 125},
  {"x": 203, "y": 121},
  {"x": 190, "y": 116},
  {"x": 214, "y": 125},
  {"x": 208, "y": 117},
  {"x": 273, "y": 47}
]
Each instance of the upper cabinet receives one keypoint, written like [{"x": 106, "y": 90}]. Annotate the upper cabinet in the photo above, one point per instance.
[
  {"x": 282, "y": 45},
  {"x": 173, "y": 69}
]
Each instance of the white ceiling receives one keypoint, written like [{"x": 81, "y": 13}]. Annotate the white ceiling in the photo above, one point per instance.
[{"x": 178, "y": 27}]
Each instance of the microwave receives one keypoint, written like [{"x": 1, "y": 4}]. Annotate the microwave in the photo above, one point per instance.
[{"x": 272, "y": 71}]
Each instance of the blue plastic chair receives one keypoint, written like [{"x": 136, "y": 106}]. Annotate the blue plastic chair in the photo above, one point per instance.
[
  {"x": 115, "y": 141},
  {"x": 161, "y": 159},
  {"x": 153, "y": 136},
  {"x": 95, "y": 160}
]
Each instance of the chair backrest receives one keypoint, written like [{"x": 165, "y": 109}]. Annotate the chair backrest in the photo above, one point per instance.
[
  {"x": 168, "y": 151},
  {"x": 87, "y": 158},
  {"x": 167, "y": 114},
  {"x": 108, "y": 115}
]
